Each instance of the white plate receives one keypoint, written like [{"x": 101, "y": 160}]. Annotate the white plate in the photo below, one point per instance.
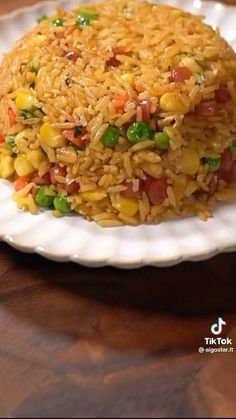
[{"x": 73, "y": 238}]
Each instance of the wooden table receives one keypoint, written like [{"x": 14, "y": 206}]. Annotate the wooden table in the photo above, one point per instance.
[{"x": 84, "y": 342}]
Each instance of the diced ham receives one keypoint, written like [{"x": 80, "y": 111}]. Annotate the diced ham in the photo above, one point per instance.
[
  {"x": 113, "y": 62},
  {"x": 226, "y": 162},
  {"x": 156, "y": 190},
  {"x": 145, "y": 106},
  {"x": 180, "y": 74},
  {"x": 41, "y": 180},
  {"x": 130, "y": 193},
  {"x": 72, "y": 56},
  {"x": 57, "y": 170},
  {"x": 72, "y": 188},
  {"x": 207, "y": 108},
  {"x": 222, "y": 95}
]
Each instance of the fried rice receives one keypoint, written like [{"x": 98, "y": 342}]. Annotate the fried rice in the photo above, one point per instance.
[{"x": 123, "y": 112}]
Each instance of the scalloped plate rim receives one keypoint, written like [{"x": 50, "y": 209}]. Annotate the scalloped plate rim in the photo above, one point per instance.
[
  {"x": 15, "y": 241},
  {"x": 39, "y": 250}
]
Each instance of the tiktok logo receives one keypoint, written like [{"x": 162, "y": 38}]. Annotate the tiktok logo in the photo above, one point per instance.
[{"x": 216, "y": 328}]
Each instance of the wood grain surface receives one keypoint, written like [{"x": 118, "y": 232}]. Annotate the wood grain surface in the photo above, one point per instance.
[{"x": 79, "y": 342}]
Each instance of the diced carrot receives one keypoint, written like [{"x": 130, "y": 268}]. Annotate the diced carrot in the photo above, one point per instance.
[
  {"x": 78, "y": 141},
  {"x": 59, "y": 35},
  {"x": 76, "y": 32},
  {"x": 2, "y": 139},
  {"x": 20, "y": 183},
  {"x": 12, "y": 117},
  {"x": 119, "y": 102},
  {"x": 70, "y": 136},
  {"x": 69, "y": 30}
]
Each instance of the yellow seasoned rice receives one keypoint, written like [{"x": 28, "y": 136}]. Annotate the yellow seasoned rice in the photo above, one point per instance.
[{"x": 75, "y": 93}]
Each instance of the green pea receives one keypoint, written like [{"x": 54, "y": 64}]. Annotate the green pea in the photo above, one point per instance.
[
  {"x": 88, "y": 14},
  {"x": 58, "y": 22},
  {"x": 61, "y": 205},
  {"x": 139, "y": 131},
  {"x": 42, "y": 198},
  {"x": 84, "y": 17},
  {"x": 233, "y": 149},
  {"x": 110, "y": 137},
  {"x": 162, "y": 140},
  {"x": 11, "y": 144},
  {"x": 213, "y": 163}
]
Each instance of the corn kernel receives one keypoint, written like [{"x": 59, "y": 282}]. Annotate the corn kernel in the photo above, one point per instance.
[
  {"x": 182, "y": 180},
  {"x": 22, "y": 135},
  {"x": 127, "y": 206},
  {"x": 173, "y": 102},
  {"x": 92, "y": 196},
  {"x": 51, "y": 136},
  {"x": 152, "y": 169},
  {"x": 173, "y": 50},
  {"x": 24, "y": 100},
  {"x": 170, "y": 132},
  {"x": 37, "y": 158},
  {"x": 191, "y": 64},
  {"x": 22, "y": 166},
  {"x": 128, "y": 78},
  {"x": 191, "y": 187},
  {"x": 6, "y": 166},
  {"x": 20, "y": 139},
  {"x": 37, "y": 40},
  {"x": 210, "y": 53},
  {"x": 190, "y": 161}
]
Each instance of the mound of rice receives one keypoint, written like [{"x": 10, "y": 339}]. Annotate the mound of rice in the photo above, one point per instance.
[{"x": 123, "y": 112}]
